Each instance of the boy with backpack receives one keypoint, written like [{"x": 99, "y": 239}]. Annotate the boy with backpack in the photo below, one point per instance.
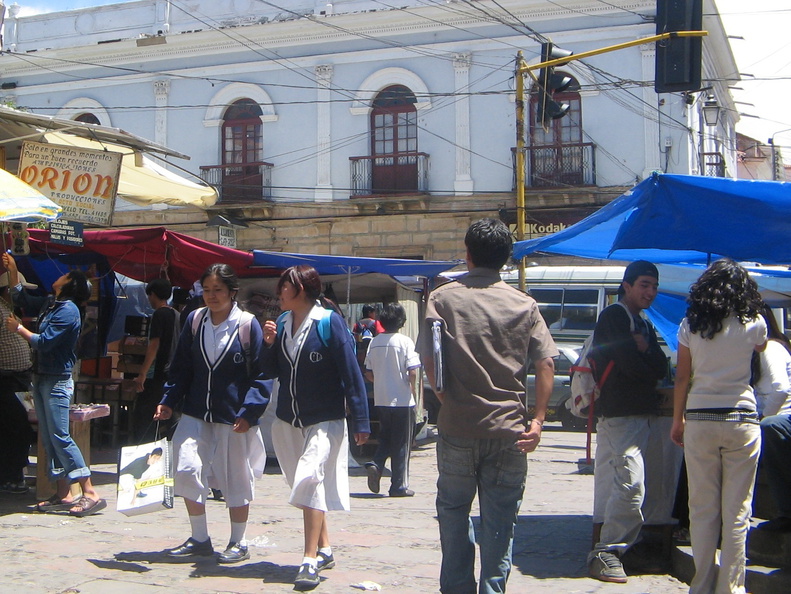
[
  {"x": 392, "y": 365},
  {"x": 629, "y": 407}
]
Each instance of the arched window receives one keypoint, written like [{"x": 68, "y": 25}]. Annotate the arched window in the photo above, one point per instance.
[
  {"x": 394, "y": 141},
  {"x": 242, "y": 152},
  {"x": 558, "y": 156},
  {"x": 87, "y": 118}
]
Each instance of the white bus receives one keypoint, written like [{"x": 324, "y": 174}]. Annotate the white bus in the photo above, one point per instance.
[{"x": 570, "y": 297}]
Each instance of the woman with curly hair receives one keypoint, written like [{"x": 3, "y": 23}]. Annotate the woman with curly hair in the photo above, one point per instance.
[{"x": 716, "y": 422}]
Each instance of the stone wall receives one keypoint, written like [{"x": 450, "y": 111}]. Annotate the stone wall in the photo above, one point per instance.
[{"x": 422, "y": 227}]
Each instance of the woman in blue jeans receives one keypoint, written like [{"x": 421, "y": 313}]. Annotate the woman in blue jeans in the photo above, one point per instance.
[{"x": 53, "y": 390}]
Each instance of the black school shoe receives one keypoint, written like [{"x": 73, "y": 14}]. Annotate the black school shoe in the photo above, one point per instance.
[
  {"x": 234, "y": 553},
  {"x": 307, "y": 578},
  {"x": 324, "y": 561},
  {"x": 192, "y": 548}
]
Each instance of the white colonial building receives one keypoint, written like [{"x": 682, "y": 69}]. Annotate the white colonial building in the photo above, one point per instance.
[{"x": 370, "y": 127}]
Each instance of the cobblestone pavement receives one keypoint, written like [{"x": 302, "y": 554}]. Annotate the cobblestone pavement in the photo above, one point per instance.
[{"x": 391, "y": 542}]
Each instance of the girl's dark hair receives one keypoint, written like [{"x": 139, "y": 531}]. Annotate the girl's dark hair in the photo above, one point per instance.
[
  {"x": 77, "y": 289},
  {"x": 306, "y": 279},
  {"x": 724, "y": 289},
  {"x": 392, "y": 317},
  {"x": 773, "y": 333},
  {"x": 225, "y": 273}
]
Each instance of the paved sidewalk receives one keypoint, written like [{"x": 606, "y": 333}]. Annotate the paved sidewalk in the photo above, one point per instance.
[{"x": 391, "y": 542}]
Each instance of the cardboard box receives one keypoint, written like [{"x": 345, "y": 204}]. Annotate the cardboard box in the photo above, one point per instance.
[
  {"x": 130, "y": 364},
  {"x": 100, "y": 367},
  {"x": 133, "y": 345}
]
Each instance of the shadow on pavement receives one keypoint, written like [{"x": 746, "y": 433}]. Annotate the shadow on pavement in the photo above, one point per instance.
[
  {"x": 136, "y": 562},
  {"x": 545, "y": 547}
]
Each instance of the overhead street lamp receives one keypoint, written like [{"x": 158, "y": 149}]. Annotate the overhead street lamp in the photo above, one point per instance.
[{"x": 711, "y": 111}]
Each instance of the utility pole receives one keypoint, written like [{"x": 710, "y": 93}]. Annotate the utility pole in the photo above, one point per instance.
[{"x": 520, "y": 160}]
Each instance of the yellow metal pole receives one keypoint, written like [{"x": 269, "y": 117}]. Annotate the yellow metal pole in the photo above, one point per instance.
[
  {"x": 612, "y": 48},
  {"x": 519, "y": 85}
]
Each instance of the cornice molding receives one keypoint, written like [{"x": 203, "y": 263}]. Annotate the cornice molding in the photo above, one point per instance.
[{"x": 309, "y": 31}]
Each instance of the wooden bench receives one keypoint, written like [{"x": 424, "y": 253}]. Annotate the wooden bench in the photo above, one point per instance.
[{"x": 80, "y": 430}]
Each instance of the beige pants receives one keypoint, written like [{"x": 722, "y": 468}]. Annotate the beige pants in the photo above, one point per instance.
[{"x": 722, "y": 458}]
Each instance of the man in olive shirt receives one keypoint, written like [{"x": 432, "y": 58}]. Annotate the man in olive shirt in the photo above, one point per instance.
[{"x": 490, "y": 329}]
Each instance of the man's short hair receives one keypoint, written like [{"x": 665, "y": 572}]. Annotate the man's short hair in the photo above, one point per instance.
[
  {"x": 489, "y": 243},
  {"x": 368, "y": 310},
  {"x": 392, "y": 317},
  {"x": 160, "y": 287}
]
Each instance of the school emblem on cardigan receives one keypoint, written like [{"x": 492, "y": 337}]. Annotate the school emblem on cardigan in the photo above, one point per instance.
[
  {"x": 238, "y": 358},
  {"x": 315, "y": 357}
]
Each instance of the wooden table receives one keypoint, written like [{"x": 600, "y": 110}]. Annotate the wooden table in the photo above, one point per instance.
[{"x": 80, "y": 430}]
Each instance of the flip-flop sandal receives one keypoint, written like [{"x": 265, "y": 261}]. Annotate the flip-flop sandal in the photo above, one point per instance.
[
  {"x": 54, "y": 503},
  {"x": 87, "y": 507}
]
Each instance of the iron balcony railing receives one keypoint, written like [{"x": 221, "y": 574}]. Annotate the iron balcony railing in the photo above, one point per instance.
[
  {"x": 408, "y": 173},
  {"x": 713, "y": 164},
  {"x": 245, "y": 182},
  {"x": 559, "y": 165}
]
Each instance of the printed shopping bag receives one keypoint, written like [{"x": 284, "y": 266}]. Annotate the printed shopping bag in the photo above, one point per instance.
[{"x": 145, "y": 478}]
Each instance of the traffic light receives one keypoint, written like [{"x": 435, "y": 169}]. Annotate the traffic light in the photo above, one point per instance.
[
  {"x": 550, "y": 83},
  {"x": 678, "y": 60}
]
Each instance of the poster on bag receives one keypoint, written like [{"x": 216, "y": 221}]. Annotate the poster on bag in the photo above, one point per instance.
[
  {"x": 83, "y": 182},
  {"x": 145, "y": 478}
]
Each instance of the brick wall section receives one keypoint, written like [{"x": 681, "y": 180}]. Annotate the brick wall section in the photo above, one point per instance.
[{"x": 413, "y": 226}]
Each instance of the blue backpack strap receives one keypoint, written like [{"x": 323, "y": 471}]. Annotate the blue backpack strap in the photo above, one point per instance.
[
  {"x": 325, "y": 327},
  {"x": 281, "y": 323}
]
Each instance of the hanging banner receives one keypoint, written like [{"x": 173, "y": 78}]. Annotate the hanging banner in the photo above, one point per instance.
[{"x": 83, "y": 182}]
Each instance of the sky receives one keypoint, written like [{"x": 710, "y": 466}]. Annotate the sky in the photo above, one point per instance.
[{"x": 764, "y": 52}]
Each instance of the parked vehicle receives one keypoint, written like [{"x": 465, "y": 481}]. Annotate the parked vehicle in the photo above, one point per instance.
[{"x": 561, "y": 390}]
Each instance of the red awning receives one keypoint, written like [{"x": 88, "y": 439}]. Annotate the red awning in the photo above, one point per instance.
[{"x": 141, "y": 254}]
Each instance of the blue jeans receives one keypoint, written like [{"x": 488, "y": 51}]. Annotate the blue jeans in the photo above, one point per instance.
[
  {"x": 497, "y": 470},
  {"x": 396, "y": 425},
  {"x": 52, "y": 395},
  {"x": 775, "y": 451}
]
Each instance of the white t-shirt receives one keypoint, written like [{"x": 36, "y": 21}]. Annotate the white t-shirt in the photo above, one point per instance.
[
  {"x": 773, "y": 390},
  {"x": 390, "y": 357},
  {"x": 721, "y": 365}
]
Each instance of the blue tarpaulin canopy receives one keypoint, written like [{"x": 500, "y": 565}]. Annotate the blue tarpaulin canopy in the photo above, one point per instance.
[
  {"x": 329, "y": 265},
  {"x": 351, "y": 278},
  {"x": 682, "y": 218},
  {"x": 677, "y": 219}
]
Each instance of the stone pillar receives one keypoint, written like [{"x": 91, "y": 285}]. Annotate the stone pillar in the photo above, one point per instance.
[
  {"x": 323, "y": 192},
  {"x": 161, "y": 91},
  {"x": 463, "y": 183}
]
